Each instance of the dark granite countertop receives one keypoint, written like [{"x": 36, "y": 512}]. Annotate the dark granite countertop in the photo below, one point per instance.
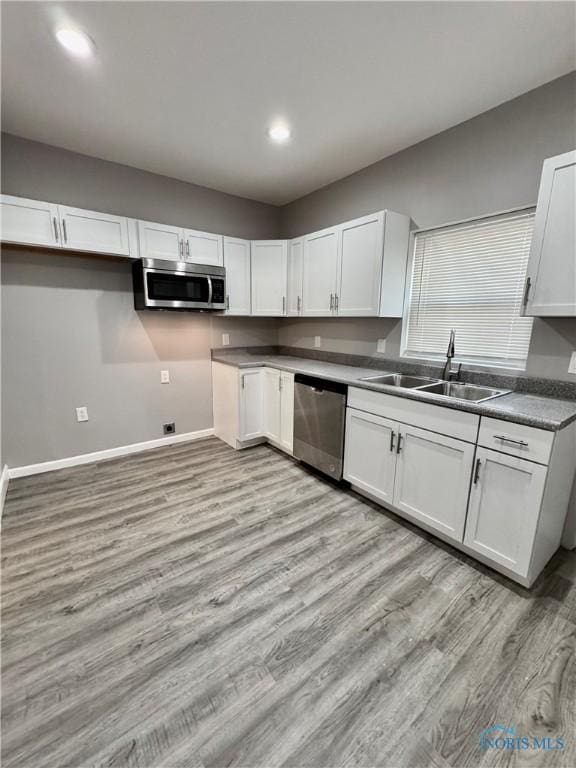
[{"x": 532, "y": 410}]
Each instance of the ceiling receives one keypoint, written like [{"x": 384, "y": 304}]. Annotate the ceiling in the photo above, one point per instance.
[{"x": 188, "y": 89}]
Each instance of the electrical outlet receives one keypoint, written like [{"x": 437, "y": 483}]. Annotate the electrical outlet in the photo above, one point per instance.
[
  {"x": 572, "y": 366},
  {"x": 381, "y": 346},
  {"x": 225, "y": 339},
  {"x": 317, "y": 341},
  {"x": 169, "y": 428},
  {"x": 165, "y": 377},
  {"x": 82, "y": 413}
]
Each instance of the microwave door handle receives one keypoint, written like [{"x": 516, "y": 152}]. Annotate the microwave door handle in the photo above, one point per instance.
[{"x": 209, "y": 289}]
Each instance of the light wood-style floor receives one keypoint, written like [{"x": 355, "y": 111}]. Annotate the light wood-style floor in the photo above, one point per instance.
[{"x": 195, "y": 606}]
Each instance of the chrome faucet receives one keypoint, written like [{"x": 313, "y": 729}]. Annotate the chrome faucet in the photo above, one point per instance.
[{"x": 447, "y": 373}]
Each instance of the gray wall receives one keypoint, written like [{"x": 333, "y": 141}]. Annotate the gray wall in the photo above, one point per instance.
[
  {"x": 70, "y": 334},
  {"x": 488, "y": 164}
]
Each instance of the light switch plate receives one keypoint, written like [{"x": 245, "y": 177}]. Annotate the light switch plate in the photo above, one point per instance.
[
  {"x": 381, "y": 346},
  {"x": 82, "y": 413},
  {"x": 317, "y": 341},
  {"x": 165, "y": 377},
  {"x": 572, "y": 366},
  {"x": 225, "y": 339}
]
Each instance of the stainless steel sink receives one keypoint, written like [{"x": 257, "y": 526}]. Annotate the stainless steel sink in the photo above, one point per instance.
[
  {"x": 400, "y": 380},
  {"x": 459, "y": 391}
]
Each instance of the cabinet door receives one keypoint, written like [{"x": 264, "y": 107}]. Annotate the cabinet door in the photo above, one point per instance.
[
  {"x": 370, "y": 453},
  {"x": 30, "y": 221},
  {"x": 505, "y": 503},
  {"x": 295, "y": 263},
  {"x": 203, "y": 248},
  {"x": 269, "y": 277},
  {"x": 320, "y": 273},
  {"x": 251, "y": 404},
  {"x": 432, "y": 479},
  {"x": 287, "y": 411},
  {"x": 271, "y": 386},
  {"x": 237, "y": 263},
  {"x": 90, "y": 231},
  {"x": 361, "y": 247},
  {"x": 552, "y": 265},
  {"x": 160, "y": 241}
]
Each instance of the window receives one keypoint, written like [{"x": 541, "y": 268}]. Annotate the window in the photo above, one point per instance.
[{"x": 470, "y": 277}]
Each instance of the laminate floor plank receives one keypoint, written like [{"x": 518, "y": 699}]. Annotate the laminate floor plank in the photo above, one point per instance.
[{"x": 198, "y": 607}]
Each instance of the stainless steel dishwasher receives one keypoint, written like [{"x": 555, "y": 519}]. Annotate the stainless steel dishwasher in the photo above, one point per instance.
[{"x": 319, "y": 419}]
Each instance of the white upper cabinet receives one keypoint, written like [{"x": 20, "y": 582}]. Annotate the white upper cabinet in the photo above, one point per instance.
[
  {"x": 320, "y": 273},
  {"x": 269, "y": 277},
  {"x": 295, "y": 266},
  {"x": 160, "y": 241},
  {"x": 551, "y": 275},
  {"x": 394, "y": 263},
  {"x": 30, "y": 221},
  {"x": 361, "y": 247},
  {"x": 237, "y": 263},
  {"x": 90, "y": 231},
  {"x": 203, "y": 248}
]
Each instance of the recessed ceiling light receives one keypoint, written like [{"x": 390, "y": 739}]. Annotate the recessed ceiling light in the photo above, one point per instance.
[
  {"x": 279, "y": 132},
  {"x": 75, "y": 41}
]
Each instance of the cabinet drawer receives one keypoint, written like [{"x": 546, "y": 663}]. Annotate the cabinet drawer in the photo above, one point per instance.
[
  {"x": 445, "y": 421},
  {"x": 516, "y": 439}
]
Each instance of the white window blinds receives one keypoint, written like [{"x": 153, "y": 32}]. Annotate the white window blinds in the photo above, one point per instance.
[{"x": 470, "y": 277}]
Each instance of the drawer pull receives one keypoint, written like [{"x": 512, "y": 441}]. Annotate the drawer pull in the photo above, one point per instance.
[{"x": 505, "y": 439}]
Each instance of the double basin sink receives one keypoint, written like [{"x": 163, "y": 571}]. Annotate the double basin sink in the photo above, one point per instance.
[{"x": 454, "y": 390}]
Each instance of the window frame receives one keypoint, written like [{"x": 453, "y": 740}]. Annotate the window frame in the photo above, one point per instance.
[{"x": 493, "y": 363}]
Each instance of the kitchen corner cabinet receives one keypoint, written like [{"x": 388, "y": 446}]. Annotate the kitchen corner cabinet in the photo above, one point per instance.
[
  {"x": 253, "y": 404},
  {"x": 295, "y": 276},
  {"x": 358, "y": 268},
  {"x": 237, "y": 264},
  {"x": 32, "y": 222},
  {"x": 269, "y": 260},
  {"x": 550, "y": 289}
]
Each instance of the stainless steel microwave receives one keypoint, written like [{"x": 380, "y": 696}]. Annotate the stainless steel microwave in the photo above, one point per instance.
[{"x": 162, "y": 284}]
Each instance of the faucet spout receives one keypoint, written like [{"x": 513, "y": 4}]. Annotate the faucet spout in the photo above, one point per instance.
[{"x": 449, "y": 355}]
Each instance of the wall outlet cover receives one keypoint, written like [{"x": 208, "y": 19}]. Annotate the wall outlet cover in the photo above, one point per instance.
[
  {"x": 317, "y": 341},
  {"x": 82, "y": 413},
  {"x": 165, "y": 377},
  {"x": 381, "y": 346},
  {"x": 572, "y": 366},
  {"x": 169, "y": 428},
  {"x": 225, "y": 339}
]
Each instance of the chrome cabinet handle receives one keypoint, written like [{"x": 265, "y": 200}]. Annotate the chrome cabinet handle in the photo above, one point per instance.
[
  {"x": 298, "y": 304},
  {"x": 283, "y": 305},
  {"x": 399, "y": 444},
  {"x": 55, "y": 228},
  {"x": 187, "y": 247},
  {"x": 181, "y": 247},
  {"x": 227, "y": 301},
  {"x": 331, "y": 302},
  {"x": 477, "y": 471},
  {"x": 279, "y": 383},
  {"x": 64, "y": 230},
  {"x": 510, "y": 440},
  {"x": 336, "y": 301},
  {"x": 392, "y": 434},
  {"x": 242, "y": 378},
  {"x": 526, "y": 291}
]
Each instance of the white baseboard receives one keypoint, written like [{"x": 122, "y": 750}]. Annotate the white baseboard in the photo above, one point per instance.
[
  {"x": 4, "y": 479},
  {"x": 109, "y": 453}
]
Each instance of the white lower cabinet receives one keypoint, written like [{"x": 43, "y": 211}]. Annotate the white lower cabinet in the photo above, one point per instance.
[
  {"x": 422, "y": 473},
  {"x": 251, "y": 404},
  {"x": 432, "y": 479},
  {"x": 370, "y": 453},
  {"x": 505, "y": 503},
  {"x": 251, "y": 410}
]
